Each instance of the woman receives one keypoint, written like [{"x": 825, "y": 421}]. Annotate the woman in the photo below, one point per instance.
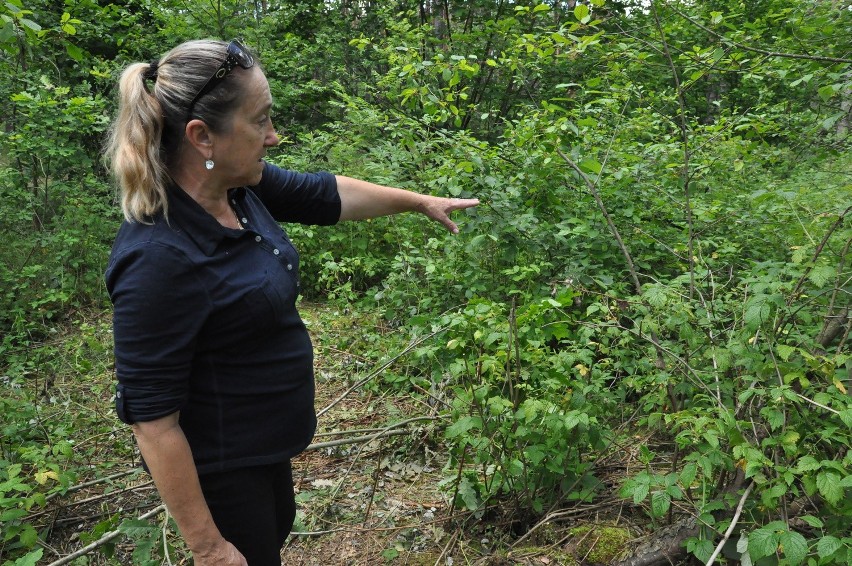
[{"x": 214, "y": 364}]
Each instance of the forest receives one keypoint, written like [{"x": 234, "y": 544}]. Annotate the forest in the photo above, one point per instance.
[{"x": 636, "y": 351}]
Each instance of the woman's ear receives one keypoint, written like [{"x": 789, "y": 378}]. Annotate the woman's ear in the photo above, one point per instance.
[{"x": 198, "y": 136}]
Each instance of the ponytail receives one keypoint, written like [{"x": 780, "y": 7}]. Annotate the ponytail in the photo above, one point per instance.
[{"x": 134, "y": 147}]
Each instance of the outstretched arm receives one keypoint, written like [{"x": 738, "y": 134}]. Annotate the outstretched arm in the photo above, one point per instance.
[{"x": 361, "y": 199}]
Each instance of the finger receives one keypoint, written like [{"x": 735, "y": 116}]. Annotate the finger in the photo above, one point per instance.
[
  {"x": 451, "y": 226},
  {"x": 457, "y": 204}
]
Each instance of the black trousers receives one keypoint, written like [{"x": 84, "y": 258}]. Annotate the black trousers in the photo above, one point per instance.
[{"x": 254, "y": 509}]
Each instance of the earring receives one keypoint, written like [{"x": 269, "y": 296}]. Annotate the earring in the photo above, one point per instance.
[{"x": 209, "y": 164}]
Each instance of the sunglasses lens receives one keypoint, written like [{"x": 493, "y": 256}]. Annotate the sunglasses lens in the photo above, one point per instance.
[{"x": 240, "y": 54}]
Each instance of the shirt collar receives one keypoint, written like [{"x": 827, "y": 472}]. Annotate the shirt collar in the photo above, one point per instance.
[{"x": 186, "y": 214}]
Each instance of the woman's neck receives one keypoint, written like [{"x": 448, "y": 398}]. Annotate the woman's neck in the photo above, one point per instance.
[{"x": 201, "y": 186}]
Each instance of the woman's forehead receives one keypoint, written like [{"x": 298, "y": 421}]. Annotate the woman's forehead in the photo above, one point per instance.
[{"x": 258, "y": 95}]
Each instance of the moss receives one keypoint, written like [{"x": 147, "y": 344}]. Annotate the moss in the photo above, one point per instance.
[
  {"x": 423, "y": 558},
  {"x": 600, "y": 545},
  {"x": 557, "y": 557}
]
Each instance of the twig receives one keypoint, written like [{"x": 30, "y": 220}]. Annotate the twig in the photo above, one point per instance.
[
  {"x": 731, "y": 527},
  {"x": 804, "y": 277},
  {"x": 383, "y": 367},
  {"x": 448, "y": 546},
  {"x": 820, "y": 405},
  {"x": 374, "y": 487},
  {"x": 356, "y": 439},
  {"x": 386, "y": 431},
  {"x": 104, "y": 539},
  {"x": 758, "y": 50},
  {"x": 165, "y": 538},
  {"x": 684, "y": 134},
  {"x": 93, "y": 482},
  {"x": 593, "y": 190},
  {"x": 315, "y": 533}
]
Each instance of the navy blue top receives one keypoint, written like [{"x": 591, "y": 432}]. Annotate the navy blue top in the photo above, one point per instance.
[{"x": 205, "y": 321}]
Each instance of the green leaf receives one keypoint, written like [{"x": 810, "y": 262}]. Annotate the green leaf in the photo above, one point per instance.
[
  {"x": 822, "y": 274},
  {"x": 756, "y": 313},
  {"x": 807, "y": 464},
  {"x": 804, "y": 79},
  {"x": 581, "y": 12},
  {"x": 136, "y": 528},
  {"x": 12, "y": 514},
  {"x": 774, "y": 417},
  {"x": 703, "y": 549},
  {"x": 687, "y": 475},
  {"x": 74, "y": 52},
  {"x": 660, "y": 503},
  {"x": 591, "y": 165},
  {"x": 762, "y": 542},
  {"x": 812, "y": 521},
  {"x": 28, "y": 536},
  {"x": 31, "y": 559},
  {"x": 828, "y": 545},
  {"x": 462, "y": 425},
  {"x": 785, "y": 351},
  {"x": 828, "y": 484},
  {"x": 640, "y": 492},
  {"x": 468, "y": 494},
  {"x": 795, "y": 547},
  {"x": 742, "y": 548},
  {"x": 826, "y": 92},
  {"x": 829, "y": 122}
]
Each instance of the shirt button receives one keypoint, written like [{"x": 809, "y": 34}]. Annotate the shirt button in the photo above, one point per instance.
[
  {"x": 275, "y": 251},
  {"x": 289, "y": 267},
  {"x": 118, "y": 394},
  {"x": 244, "y": 220},
  {"x": 257, "y": 238},
  {"x": 233, "y": 201}
]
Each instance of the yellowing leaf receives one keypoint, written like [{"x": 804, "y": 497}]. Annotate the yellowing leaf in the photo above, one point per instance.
[
  {"x": 42, "y": 477},
  {"x": 839, "y": 385},
  {"x": 584, "y": 371}
]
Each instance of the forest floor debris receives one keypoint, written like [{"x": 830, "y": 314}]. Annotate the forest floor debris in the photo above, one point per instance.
[{"x": 368, "y": 490}]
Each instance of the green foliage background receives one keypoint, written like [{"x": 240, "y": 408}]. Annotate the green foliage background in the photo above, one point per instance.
[{"x": 662, "y": 249}]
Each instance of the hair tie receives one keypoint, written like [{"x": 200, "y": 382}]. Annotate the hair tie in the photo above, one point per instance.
[{"x": 151, "y": 73}]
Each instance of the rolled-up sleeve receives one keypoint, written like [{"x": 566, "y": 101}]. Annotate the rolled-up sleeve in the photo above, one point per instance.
[{"x": 159, "y": 307}]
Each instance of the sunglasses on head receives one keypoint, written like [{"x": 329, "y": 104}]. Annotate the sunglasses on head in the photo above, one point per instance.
[{"x": 237, "y": 55}]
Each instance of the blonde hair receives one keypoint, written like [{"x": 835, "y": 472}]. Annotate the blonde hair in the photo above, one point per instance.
[{"x": 149, "y": 126}]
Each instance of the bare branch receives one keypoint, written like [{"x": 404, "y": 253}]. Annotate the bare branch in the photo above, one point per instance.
[
  {"x": 757, "y": 49},
  {"x": 104, "y": 539},
  {"x": 733, "y": 525}
]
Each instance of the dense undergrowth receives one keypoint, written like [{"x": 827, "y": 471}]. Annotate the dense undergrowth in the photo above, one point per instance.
[{"x": 662, "y": 250}]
